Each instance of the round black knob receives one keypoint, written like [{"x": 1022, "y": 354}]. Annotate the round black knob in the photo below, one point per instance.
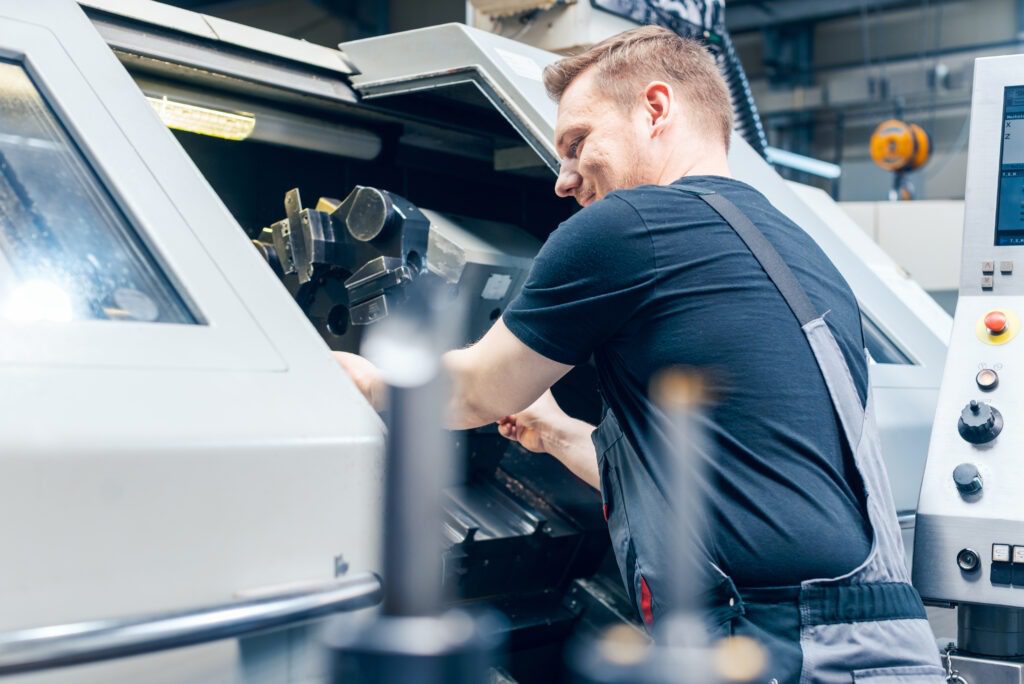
[
  {"x": 967, "y": 479},
  {"x": 979, "y": 422},
  {"x": 968, "y": 560}
]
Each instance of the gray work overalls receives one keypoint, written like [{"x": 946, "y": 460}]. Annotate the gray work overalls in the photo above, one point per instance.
[{"x": 867, "y": 626}]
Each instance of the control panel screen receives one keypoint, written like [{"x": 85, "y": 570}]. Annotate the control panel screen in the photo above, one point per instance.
[{"x": 1010, "y": 204}]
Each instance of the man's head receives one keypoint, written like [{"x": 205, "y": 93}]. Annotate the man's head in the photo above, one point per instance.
[{"x": 636, "y": 108}]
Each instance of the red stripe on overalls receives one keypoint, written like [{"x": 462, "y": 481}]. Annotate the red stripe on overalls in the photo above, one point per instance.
[{"x": 646, "y": 602}]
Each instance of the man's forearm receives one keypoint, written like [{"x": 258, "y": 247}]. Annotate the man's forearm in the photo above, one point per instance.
[
  {"x": 496, "y": 377},
  {"x": 468, "y": 406},
  {"x": 571, "y": 443}
]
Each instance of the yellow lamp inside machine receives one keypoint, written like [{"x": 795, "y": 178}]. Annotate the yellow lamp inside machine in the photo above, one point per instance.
[{"x": 202, "y": 120}]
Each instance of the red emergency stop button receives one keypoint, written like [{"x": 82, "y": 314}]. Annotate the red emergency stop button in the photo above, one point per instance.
[{"x": 995, "y": 321}]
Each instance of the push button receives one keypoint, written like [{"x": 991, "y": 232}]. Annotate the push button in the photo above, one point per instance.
[
  {"x": 1006, "y": 267},
  {"x": 968, "y": 560},
  {"x": 997, "y": 326},
  {"x": 988, "y": 267},
  {"x": 987, "y": 282},
  {"x": 1001, "y": 571},
  {"x": 995, "y": 321},
  {"x": 987, "y": 379}
]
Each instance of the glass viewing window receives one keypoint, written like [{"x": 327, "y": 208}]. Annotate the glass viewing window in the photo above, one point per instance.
[
  {"x": 1010, "y": 205},
  {"x": 66, "y": 251}
]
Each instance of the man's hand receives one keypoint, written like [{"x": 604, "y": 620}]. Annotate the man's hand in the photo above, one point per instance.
[
  {"x": 543, "y": 427},
  {"x": 367, "y": 378},
  {"x": 536, "y": 428}
]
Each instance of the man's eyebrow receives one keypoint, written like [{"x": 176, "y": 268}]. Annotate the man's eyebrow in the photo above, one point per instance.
[{"x": 576, "y": 128}]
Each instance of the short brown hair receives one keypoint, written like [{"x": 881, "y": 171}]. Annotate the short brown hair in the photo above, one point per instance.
[{"x": 630, "y": 60}]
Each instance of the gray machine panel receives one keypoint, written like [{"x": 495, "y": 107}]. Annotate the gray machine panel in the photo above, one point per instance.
[
  {"x": 949, "y": 521},
  {"x": 166, "y": 39},
  {"x": 506, "y": 72}
]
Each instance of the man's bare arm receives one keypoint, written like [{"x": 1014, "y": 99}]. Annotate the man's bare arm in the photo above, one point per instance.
[{"x": 496, "y": 377}]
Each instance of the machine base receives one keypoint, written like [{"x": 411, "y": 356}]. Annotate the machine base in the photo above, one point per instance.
[{"x": 977, "y": 670}]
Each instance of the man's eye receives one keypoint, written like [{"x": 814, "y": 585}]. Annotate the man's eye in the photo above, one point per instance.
[{"x": 574, "y": 146}]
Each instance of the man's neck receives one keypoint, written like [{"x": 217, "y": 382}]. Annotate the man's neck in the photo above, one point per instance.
[{"x": 707, "y": 163}]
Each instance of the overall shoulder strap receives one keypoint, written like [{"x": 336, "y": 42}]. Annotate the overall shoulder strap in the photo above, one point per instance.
[
  {"x": 830, "y": 359},
  {"x": 778, "y": 272}
]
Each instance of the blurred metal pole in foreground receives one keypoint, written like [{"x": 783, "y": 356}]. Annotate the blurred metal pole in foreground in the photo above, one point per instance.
[{"x": 412, "y": 640}]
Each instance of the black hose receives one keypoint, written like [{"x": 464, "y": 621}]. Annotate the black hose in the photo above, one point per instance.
[{"x": 746, "y": 120}]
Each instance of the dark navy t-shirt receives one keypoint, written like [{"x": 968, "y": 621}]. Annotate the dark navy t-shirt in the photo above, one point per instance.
[{"x": 652, "y": 277}]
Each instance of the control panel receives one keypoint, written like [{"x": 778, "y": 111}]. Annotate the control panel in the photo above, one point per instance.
[{"x": 969, "y": 545}]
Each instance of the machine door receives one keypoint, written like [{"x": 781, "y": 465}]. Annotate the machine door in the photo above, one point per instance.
[
  {"x": 84, "y": 165},
  {"x": 173, "y": 432}
]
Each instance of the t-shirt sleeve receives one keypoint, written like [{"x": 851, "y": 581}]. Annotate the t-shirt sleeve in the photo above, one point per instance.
[{"x": 593, "y": 273}]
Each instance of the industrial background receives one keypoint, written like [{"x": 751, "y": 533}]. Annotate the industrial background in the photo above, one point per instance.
[
  {"x": 200, "y": 200},
  {"x": 823, "y": 74}
]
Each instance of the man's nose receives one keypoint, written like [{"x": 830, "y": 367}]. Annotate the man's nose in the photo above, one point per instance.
[{"x": 568, "y": 179}]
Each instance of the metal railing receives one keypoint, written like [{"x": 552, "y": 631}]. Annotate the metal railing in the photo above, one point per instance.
[{"x": 43, "y": 648}]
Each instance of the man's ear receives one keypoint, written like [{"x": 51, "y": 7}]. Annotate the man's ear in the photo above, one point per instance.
[{"x": 659, "y": 104}]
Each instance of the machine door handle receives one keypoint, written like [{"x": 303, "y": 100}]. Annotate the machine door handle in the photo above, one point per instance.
[{"x": 43, "y": 648}]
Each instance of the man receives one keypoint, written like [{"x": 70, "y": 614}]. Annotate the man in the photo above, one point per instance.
[{"x": 672, "y": 262}]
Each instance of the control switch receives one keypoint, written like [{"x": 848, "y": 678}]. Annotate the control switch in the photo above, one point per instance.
[
  {"x": 967, "y": 479},
  {"x": 987, "y": 379},
  {"x": 968, "y": 560},
  {"x": 979, "y": 422},
  {"x": 995, "y": 322},
  {"x": 997, "y": 326}
]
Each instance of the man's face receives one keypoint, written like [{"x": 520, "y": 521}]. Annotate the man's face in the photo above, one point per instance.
[{"x": 602, "y": 146}]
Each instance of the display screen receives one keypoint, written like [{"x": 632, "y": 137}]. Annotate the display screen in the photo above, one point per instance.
[
  {"x": 67, "y": 252},
  {"x": 1010, "y": 203}
]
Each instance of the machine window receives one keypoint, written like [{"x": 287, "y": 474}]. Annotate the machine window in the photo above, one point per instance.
[
  {"x": 1010, "y": 205},
  {"x": 66, "y": 251},
  {"x": 880, "y": 347}
]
